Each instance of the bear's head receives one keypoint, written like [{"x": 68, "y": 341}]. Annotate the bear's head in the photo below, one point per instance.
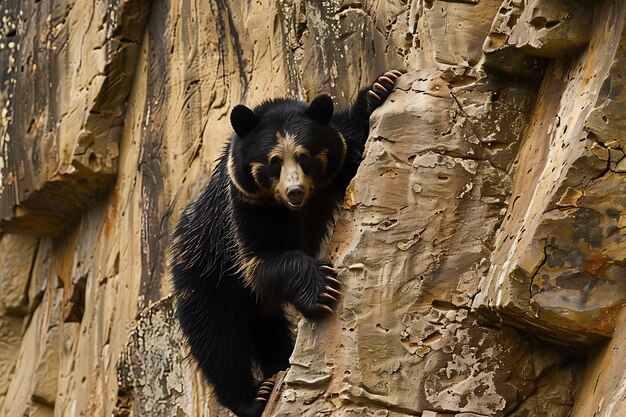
[{"x": 284, "y": 150}]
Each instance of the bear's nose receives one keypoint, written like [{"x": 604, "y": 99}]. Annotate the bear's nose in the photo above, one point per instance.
[{"x": 295, "y": 195}]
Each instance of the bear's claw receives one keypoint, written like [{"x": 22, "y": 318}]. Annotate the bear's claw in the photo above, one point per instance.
[
  {"x": 330, "y": 310},
  {"x": 268, "y": 384},
  {"x": 376, "y": 96},
  {"x": 329, "y": 297},
  {"x": 382, "y": 87},
  {"x": 320, "y": 299},
  {"x": 379, "y": 87},
  {"x": 332, "y": 290},
  {"x": 393, "y": 73},
  {"x": 333, "y": 280},
  {"x": 263, "y": 394},
  {"x": 329, "y": 269},
  {"x": 387, "y": 79}
]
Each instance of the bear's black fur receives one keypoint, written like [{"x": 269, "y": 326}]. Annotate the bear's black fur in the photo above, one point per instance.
[{"x": 249, "y": 242}]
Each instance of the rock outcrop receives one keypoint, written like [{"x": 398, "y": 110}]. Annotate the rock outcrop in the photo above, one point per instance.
[{"x": 482, "y": 245}]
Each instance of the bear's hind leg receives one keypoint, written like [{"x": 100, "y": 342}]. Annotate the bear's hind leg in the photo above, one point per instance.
[
  {"x": 233, "y": 381},
  {"x": 219, "y": 336},
  {"x": 273, "y": 343}
]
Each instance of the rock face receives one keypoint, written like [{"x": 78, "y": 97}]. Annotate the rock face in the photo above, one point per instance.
[
  {"x": 67, "y": 75},
  {"x": 482, "y": 243}
]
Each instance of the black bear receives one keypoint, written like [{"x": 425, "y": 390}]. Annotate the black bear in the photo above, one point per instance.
[{"x": 249, "y": 242}]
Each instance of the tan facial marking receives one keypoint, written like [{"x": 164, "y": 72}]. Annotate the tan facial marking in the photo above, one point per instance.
[
  {"x": 233, "y": 178},
  {"x": 287, "y": 147},
  {"x": 323, "y": 158},
  {"x": 291, "y": 173},
  {"x": 254, "y": 169}
]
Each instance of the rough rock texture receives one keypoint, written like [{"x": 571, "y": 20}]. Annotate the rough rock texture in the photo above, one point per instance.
[
  {"x": 68, "y": 68},
  {"x": 482, "y": 244},
  {"x": 560, "y": 263}
]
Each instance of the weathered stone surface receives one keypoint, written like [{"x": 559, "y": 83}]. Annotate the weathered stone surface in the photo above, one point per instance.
[
  {"x": 16, "y": 259},
  {"x": 604, "y": 385},
  {"x": 9, "y": 347},
  {"x": 500, "y": 54},
  {"x": 47, "y": 372},
  {"x": 41, "y": 273},
  {"x": 457, "y": 30},
  {"x": 464, "y": 154},
  {"x": 155, "y": 376},
  {"x": 552, "y": 28},
  {"x": 33, "y": 384},
  {"x": 559, "y": 266},
  {"x": 69, "y": 68},
  {"x": 151, "y": 373}
]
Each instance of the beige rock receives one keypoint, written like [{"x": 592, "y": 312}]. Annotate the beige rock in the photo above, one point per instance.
[
  {"x": 500, "y": 54},
  {"x": 10, "y": 339},
  {"x": 542, "y": 244},
  {"x": 47, "y": 372},
  {"x": 480, "y": 243},
  {"x": 457, "y": 30},
  {"x": 40, "y": 275},
  {"x": 16, "y": 257},
  {"x": 20, "y": 385},
  {"x": 40, "y": 410},
  {"x": 552, "y": 28},
  {"x": 66, "y": 125},
  {"x": 603, "y": 386}
]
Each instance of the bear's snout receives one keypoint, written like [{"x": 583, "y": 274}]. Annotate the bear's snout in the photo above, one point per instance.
[
  {"x": 295, "y": 195},
  {"x": 293, "y": 186}
]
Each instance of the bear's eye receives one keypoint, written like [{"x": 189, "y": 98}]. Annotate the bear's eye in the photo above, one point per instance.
[
  {"x": 275, "y": 160},
  {"x": 303, "y": 158}
]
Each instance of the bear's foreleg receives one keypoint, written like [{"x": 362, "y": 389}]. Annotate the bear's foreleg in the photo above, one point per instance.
[
  {"x": 353, "y": 121},
  {"x": 309, "y": 284}
]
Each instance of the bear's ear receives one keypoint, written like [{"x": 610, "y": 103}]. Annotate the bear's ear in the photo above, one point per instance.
[
  {"x": 243, "y": 120},
  {"x": 321, "y": 109}
]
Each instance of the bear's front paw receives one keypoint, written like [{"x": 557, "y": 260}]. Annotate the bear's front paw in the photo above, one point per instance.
[
  {"x": 381, "y": 88},
  {"x": 322, "y": 294}
]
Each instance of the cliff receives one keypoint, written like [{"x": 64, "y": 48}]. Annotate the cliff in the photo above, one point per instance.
[{"x": 482, "y": 243}]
